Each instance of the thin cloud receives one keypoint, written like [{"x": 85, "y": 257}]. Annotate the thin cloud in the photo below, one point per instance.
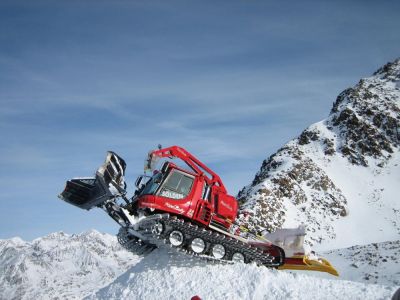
[{"x": 231, "y": 82}]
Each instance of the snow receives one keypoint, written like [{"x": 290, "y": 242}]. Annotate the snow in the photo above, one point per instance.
[
  {"x": 168, "y": 275},
  {"x": 370, "y": 220},
  {"x": 371, "y": 192},
  {"x": 60, "y": 264},
  {"x": 92, "y": 265},
  {"x": 377, "y": 263}
]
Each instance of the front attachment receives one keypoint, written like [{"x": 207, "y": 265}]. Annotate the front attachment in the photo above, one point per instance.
[
  {"x": 109, "y": 182},
  {"x": 292, "y": 241},
  {"x": 308, "y": 263}
]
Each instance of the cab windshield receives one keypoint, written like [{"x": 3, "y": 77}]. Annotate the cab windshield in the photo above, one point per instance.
[
  {"x": 152, "y": 185},
  {"x": 177, "y": 185}
]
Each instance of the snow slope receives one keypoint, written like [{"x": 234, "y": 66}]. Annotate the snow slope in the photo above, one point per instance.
[
  {"x": 377, "y": 263},
  {"x": 163, "y": 275},
  {"x": 340, "y": 176},
  {"x": 93, "y": 266}
]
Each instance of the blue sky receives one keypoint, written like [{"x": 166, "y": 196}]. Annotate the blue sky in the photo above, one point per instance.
[{"x": 231, "y": 81}]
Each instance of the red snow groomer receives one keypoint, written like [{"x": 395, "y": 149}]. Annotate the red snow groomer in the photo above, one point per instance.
[{"x": 188, "y": 208}]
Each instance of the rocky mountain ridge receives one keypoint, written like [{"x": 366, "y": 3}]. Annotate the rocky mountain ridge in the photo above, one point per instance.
[{"x": 303, "y": 182}]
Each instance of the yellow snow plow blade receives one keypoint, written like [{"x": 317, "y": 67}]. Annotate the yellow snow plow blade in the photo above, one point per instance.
[{"x": 308, "y": 264}]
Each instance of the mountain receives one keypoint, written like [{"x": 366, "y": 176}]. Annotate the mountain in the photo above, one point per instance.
[
  {"x": 340, "y": 175},
  {"x": 60, "y": 266}
]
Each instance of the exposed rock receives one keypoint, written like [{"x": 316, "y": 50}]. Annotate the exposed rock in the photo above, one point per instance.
[{"x": 363, "y": 127}]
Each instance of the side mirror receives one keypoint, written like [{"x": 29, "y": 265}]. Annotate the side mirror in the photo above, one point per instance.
[
  {"x": 138, "y": 181},
  {"x": 164, "y": 167},
  {"x": 158, "y": 178}
]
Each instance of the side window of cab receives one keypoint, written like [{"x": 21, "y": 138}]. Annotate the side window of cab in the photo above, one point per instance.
[{"x": 177, "y": 185}]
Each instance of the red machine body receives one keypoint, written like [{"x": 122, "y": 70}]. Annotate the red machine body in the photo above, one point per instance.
[{"x": 198, "y": 195}]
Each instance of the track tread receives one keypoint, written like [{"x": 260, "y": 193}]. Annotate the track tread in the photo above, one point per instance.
[{"x": 231, "y": 245}]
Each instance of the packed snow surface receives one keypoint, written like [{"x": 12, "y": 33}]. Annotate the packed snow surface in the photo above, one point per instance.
[{"x": 163, "y": 275}]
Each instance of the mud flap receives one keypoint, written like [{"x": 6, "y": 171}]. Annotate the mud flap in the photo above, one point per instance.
[{"x": 87, "y": 193}]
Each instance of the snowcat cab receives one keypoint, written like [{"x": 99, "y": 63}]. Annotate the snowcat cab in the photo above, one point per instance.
[
  {"x": 187, "y": 208},
  {"x": 191, "y": 194}
]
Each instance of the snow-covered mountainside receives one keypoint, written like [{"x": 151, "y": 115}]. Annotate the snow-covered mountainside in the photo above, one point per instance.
[
  {"x": 377, "y": 263},
  {"x": 60, "y": 266},
  {"x": 340, "y": 176}
]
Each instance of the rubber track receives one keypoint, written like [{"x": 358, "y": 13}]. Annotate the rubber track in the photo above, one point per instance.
[
  {"x": 190, "y": 231},
  {"x": 132, "y": 243}
]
